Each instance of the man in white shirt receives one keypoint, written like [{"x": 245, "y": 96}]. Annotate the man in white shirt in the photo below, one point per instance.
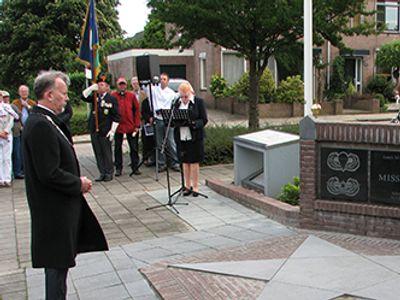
[{"x": 163, "y": 98}]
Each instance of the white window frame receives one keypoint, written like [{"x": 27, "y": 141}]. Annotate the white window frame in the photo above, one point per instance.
[
  {"x": 358, "y": 76},
  {"x": 223, "y": 51},
  {"x": 389, "y": 4},
  {"x": 203, "y": 73}
]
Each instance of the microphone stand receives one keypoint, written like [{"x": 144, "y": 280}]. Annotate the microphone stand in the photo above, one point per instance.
[{"x": 170, "y": 202}]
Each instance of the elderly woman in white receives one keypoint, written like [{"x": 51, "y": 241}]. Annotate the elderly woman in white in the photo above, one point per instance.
[{"x": 7, "y": 116}]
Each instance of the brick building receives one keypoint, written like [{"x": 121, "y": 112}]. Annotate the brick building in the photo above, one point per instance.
[
  {"x": 204, "y": 58},
  {"x": 361, "y": 63},
  {"x": 196, "y": 64}
]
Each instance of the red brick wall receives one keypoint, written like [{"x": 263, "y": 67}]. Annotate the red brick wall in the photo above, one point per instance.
[{"x": 358, "y": 218}]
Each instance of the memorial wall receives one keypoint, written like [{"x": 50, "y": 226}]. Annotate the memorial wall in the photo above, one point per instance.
[{"x": 350, "y": 177}]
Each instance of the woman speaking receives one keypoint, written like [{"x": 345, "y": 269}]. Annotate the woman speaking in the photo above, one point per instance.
[{"x": 189, "y": 137}]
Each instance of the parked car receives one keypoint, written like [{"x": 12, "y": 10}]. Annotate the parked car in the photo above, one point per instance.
[{"x": 174, "y": 83}]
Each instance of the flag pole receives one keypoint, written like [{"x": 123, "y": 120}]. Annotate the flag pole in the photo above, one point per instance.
[
  {"x": 95, "y": 98},
  {"x": 308, "y": 57}
]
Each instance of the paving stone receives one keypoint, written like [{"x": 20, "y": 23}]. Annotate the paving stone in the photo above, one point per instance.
[
  {"x": 284, "y": 291},
  {"x": 112, "y": 292},
  {"x": 93, "y": 269},
  {"x": 129, "y": 275},
  {"x": 97, "y": 282},
  {"x": 139, "y": 288},
  {"x": 185, "y": 247},
  {"x": 388, "y": 290}
]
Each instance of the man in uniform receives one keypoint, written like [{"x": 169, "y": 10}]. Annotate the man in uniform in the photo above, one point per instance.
[
  {"x": 108, "y": 121},
  {"x": 129, "y": 124}
]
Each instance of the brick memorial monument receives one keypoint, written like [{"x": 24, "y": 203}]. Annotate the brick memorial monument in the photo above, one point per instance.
[{"x": 350, "y": 177}]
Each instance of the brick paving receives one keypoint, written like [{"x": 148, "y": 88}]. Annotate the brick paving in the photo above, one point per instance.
[
  {"x": 145, "y": 240},
  {"x": 175, "y": 283},
  {"x": 119, "y": 205}
]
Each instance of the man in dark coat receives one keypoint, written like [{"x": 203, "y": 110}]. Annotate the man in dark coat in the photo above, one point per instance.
[
  {"x": 108, "y": 121},
  {"x": 62, "y": 223}
]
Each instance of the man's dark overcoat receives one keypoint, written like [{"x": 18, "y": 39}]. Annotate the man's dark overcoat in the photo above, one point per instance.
[{"x": 62, "y": 223}]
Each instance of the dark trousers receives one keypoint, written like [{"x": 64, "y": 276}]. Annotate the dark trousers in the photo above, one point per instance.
[
  {"x": 56, "y": 283},
  {"x": 103, "y": 153},
  {"x": 133, "y": 143},
  {"x": 17, "y": 156},
  {"x": 170, "y": 146},
  {"x": 148, "y": 147}
]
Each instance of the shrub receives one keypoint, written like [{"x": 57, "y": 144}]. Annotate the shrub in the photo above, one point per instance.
[
  {"x": 291, "y": 192},
  {"x": 218, "y": 145},
  {"x": 290, "y": 90},
  {"x": 79, "y": 120},
  {"x": 240, "y": 89},
  {"x": 218, "y": 86},
  {"x": 380, "y": 84},
  {"x": 382, "y": 102},
  {"x": 338, "y": 80},
  {"x": 78, "y": 84}
]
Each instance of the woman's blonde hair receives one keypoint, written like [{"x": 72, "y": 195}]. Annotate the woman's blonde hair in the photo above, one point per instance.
[{"x": 186, "y": 87}]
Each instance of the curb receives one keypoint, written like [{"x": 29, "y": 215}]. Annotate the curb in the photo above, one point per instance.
[{"x": 276, "y": 210}]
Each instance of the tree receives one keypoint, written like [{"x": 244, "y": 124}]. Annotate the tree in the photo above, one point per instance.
[
  {"x": 40, "y": 34},
  {"x": 388, "y": 55},
  {"x": 258, "y": 29},
  {"x": 154, "y": 34}
]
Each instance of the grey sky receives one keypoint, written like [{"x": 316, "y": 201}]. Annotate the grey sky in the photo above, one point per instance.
[{"x": 133, "y": 16}]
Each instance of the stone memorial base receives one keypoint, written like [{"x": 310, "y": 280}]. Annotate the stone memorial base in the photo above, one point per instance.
[{"x": 350, "y": 175}]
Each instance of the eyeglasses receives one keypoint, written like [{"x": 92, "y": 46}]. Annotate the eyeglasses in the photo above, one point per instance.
[{"x": 122, "y": 83}]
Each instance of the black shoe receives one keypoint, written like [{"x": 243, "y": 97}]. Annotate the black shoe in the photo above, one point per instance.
[
  {"x": 162, "y": 169},
  {"x": 136, "y": 172},
  {"x": 187, "y": 192},
  {"x": 108, "y": 177},
  {"x": 118, "y": 173},
  {"x": 100, "y": 178},
  {"x": 195, "y": 194},
  {"x": 21, "y": 176}
]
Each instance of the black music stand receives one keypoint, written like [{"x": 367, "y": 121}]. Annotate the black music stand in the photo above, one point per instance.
[{"x": 179, "y": 117}]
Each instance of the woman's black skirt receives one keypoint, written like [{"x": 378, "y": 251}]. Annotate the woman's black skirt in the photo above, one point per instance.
[{"x": 191, "y": 151}]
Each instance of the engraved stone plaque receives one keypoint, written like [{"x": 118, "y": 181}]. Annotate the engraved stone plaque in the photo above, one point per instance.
[
  {"x": 344, "y": 174},
  {"x": 385, "y": 177}
]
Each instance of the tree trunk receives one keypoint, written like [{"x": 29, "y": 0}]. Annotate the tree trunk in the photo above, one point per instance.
[{"x": 254, "y": 79}]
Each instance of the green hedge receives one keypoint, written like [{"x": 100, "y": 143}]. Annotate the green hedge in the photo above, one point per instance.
[
  {"x": 218, "y": 145},
  {"x": 79, "y": 124}
]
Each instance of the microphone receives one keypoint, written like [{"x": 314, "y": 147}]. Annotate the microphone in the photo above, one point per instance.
[{"x": 156, "y": 80}]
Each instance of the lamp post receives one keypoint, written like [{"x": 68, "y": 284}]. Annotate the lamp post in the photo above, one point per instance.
[{"x": 308, "y": 57}]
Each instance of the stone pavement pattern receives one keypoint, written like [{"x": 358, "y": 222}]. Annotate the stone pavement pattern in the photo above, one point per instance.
[{"x": 207, "y": 230}]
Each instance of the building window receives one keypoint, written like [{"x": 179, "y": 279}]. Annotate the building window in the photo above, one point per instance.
[
  {"x": 233, "y": 66},
  {"x": 387, "y": 15},
  {"x": 203, "y": 74}
]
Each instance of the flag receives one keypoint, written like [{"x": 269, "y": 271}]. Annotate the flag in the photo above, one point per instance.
[{"x": 88, "y": 53}]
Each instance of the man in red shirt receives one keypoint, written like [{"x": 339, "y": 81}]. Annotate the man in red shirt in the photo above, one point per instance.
[{"x": 129, "y": 124}]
